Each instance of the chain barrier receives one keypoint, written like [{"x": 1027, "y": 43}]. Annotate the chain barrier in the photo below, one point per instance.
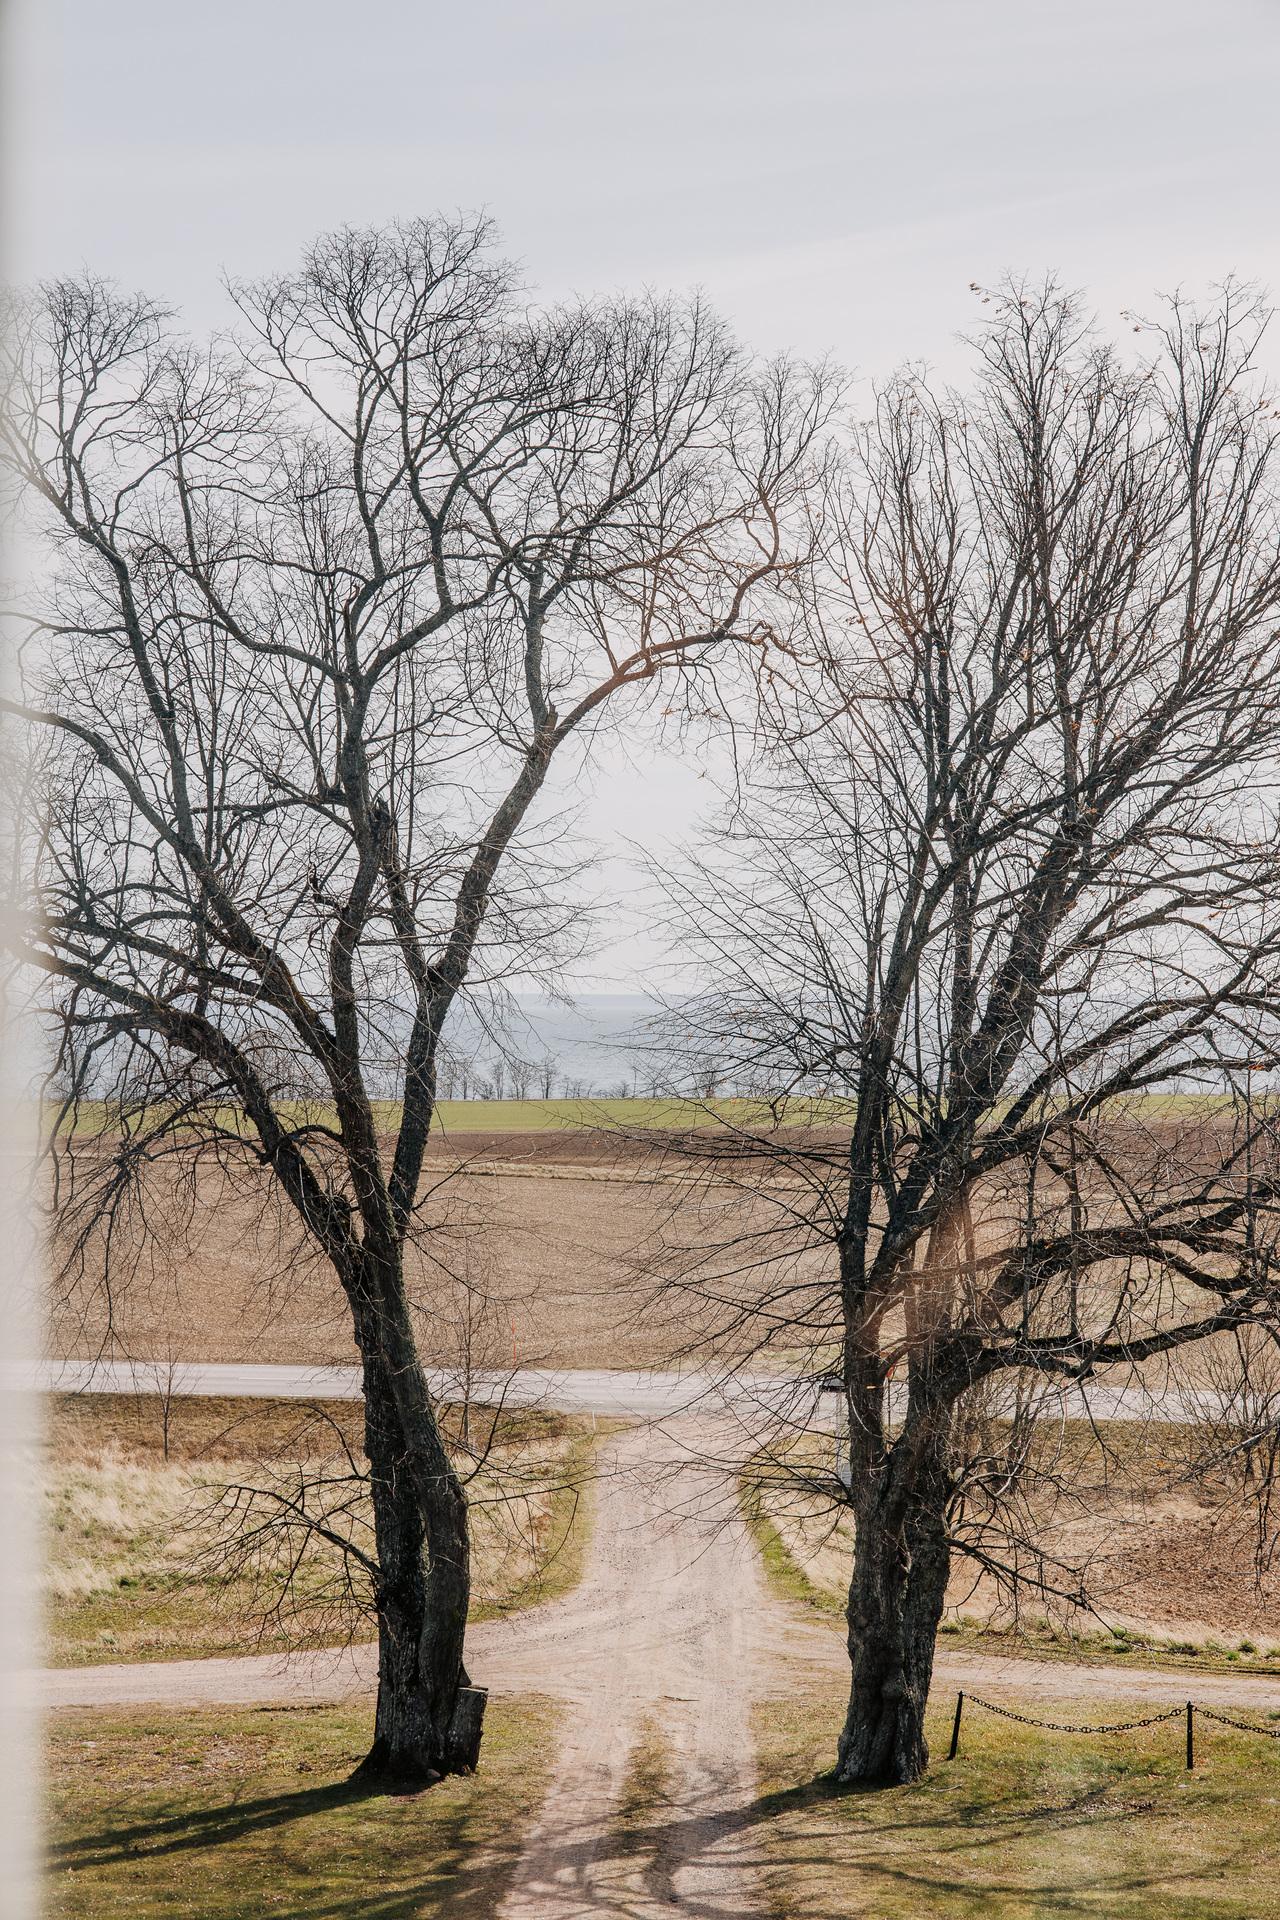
[
  {"x": 1065, "y": 1726},
  {"x": 1187, "y": 1713},
  {"x": 1241, "y": 1726}
]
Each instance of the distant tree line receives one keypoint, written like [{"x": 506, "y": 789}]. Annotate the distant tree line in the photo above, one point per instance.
[{"x": 463, "y": 1076}]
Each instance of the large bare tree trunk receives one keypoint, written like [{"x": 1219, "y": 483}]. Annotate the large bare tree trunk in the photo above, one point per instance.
[
  {"x": 899, "y": 1584},
  {"x": 428, "y": 1717}
]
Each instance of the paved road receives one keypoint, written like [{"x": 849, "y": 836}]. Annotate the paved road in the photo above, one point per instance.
[
  {"x": 653, "y": 1395},
  {"x": 634, "y": 1395}
]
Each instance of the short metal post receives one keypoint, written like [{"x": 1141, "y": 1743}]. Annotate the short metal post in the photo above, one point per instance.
[
  {"x": 955, "y": 1731},
  {"x": 1191, "y": 1736}
]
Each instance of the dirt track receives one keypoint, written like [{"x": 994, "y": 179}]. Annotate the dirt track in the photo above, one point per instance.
[
  {"x": 665, "y": 1638},
  {"x": 669, "y": 1638}
]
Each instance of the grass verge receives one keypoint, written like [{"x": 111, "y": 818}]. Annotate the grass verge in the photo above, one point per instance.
[
  {"x": 1023, "y": 1825},
  {"x": 1033, "y": 1638},
  {"x": 129, "y": 1577},
  {"x": 646, "y": 1798},
  {"x": 785, "y": 1574},
  {"x": 662, "y": 1112},
  {"x": 226, "y": 1815}
]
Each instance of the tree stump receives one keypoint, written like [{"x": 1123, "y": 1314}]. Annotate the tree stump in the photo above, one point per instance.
[{"x": 465, "y": 1729}]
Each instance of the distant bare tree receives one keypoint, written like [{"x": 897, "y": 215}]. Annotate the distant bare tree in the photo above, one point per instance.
[
  {"x": 324, "y": 603},
  {"x": 996, "y": 931},
  {"x": 1231, "y": 1453},
  {"x": 448, "y": 1072},
  {"x": 548, "y": 1069},
  {"x": 166, "y": 1378},
  {"x": 521, "y": 1072},
  {"x": 704, "y": 1077}
]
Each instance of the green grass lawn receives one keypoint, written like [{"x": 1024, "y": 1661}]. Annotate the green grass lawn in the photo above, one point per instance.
[
  {"x": 662, "y": 1111},
  {"x": 1023, "y": 1825},
  {"x": 532, "y": 1116},
  {"x": 231, "y": 1815}
]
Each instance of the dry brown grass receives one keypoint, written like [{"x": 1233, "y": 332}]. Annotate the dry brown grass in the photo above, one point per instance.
[
  {"x": 130, "y": 1572},
  {"x": 1172, "y": 1562}
]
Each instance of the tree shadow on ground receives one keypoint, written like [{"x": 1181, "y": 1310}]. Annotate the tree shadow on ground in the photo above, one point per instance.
[
  {"x": 310, "y": 1869},
  {"x": 632, "y": 1873},
  {"x": 205, "y": 1827},
  {"x": 973, "y": 1833}
]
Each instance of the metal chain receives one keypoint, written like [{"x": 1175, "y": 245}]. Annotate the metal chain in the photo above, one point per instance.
[
  {"x": 1241, "y": 1726},
  {"x": 1063, "y": 1726},
  {"x": 1119, "y": 1726}
]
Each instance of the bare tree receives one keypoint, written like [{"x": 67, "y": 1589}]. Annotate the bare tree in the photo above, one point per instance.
[
  {"x": 324, "y": 603},
  {"x": 449, "y": 1072},
  {"x": 996, "y": 931},
  {"x": 547, "y": 1072},
  {"x": 299, "y": 1531},
  {"x": 165, "y": 1377},
  {"x": 705, "y": 1074},
  {"x": 521, "y": 1072}
]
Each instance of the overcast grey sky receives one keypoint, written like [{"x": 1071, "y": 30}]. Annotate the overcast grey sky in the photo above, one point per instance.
[{"x": 834, "y": 175}]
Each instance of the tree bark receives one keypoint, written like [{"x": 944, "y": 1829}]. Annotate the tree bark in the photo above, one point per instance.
[
  {"x": 428, "y": 1716},
  {"x": 896, "y": 1595}
]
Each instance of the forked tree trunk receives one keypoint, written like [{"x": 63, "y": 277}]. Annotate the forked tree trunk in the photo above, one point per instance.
[
  {"x": 895, "y": 1604},
  {"x": 428, "y": 1717}
]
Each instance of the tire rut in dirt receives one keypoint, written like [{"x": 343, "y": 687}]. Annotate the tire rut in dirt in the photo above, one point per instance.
[{"x": 660, "y": 1646}]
